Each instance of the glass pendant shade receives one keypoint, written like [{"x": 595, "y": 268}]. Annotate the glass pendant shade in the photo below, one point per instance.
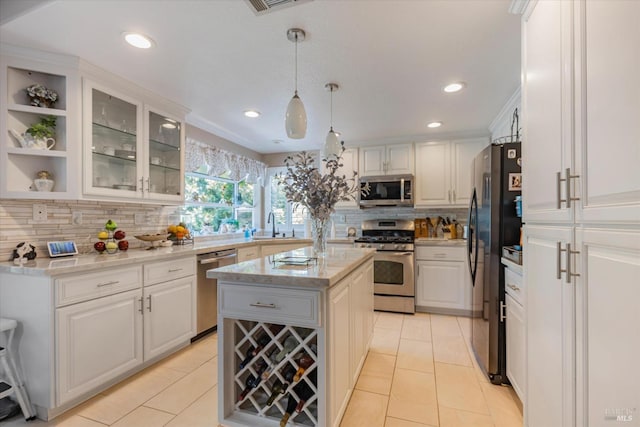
[
  {"x": 331, "y": 146},
  {"x": 296, "y": 118}
]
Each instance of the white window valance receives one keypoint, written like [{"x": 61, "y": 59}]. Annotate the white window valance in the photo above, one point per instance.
[{"x": 221, "y": 161}]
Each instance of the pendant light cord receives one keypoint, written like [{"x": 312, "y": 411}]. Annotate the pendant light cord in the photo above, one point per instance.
[
  {"x": 296, "y": 66},
  {"x": 331, "y": 122}
]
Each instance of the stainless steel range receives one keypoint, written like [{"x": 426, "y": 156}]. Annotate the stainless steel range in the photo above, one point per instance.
[{"x": 393, "y": 264}]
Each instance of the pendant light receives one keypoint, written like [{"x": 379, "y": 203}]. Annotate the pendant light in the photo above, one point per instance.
[
  {"x": 296, "y": 118},
  {"x": 332, "y": 146}
]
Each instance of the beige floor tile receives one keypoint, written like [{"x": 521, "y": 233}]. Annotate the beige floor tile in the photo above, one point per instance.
[
  {"x": 70, "y": 421},
  {"x": 450, "y": 349},
  {"x": 450, "y": 417},
  {"x": 385, "y": 341},
  {"x": 377, "y": 373},
  {"x": 417, "y": 327},
  {"x": 502, "y": 405},
  {"x": 365, "y": 410},
  {"x": 178, "y": 396},
  {"x": 144, "y": 417},
  {"x": 458, "y": 388},
  {"x": 413, "y": 397},
  {"x": 396, "y": 422},
  {"x": 389, "y": 321},
  {"x": 465, "y": 326},
  {"x": 445, "y": 326},
  {"x": 202, "y": 413},
  {"x": 109, "y": 408},
  {"x": 191, "y": 358},
  {"x": 415, "y": 355}
]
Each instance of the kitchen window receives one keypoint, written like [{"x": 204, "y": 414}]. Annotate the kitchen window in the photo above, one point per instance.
[
  {"x": 213, "y": 201},
  {"x": 287, "y": 216}
]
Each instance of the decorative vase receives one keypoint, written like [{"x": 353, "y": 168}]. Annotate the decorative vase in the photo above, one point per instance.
[{"x": 319, "y": 233}]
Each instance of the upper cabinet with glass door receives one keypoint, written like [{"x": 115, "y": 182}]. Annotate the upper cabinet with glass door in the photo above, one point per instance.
[{"x": 132, "y": 151}]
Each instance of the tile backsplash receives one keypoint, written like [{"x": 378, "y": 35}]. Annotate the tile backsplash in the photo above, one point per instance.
[{"x": 17, "y": 223}]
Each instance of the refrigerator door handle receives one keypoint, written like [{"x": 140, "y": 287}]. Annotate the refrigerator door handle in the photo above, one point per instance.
[{"x": 472, "y": 237}]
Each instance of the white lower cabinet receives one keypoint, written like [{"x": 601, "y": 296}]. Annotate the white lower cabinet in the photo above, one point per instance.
[
  {"x": 248, "y": 253},
  {"x": 168, "y": 315},
  {"x": 97, "y": 341},
  {"x": 516, "y": 357},
  {"x": 103, "y": 336},
  {"x": 443, "y": 284}
]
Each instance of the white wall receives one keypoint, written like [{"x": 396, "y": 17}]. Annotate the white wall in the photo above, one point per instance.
[{"x": 501, "y": 125}]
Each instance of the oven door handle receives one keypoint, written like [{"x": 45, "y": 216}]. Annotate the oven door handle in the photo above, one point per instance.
[{"x": 396, "y": 253}]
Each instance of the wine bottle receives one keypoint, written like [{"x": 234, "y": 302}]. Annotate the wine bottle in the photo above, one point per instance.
[
  {"x": 288, "y": 345},
  {"x": 250, "y": 383},
  {"x": 278, "y": 388},
  {"x": 248, "y": 356},
  {"x": 288, "y": 373},
  {"x": 291, "y": 406},
  {"x": 303, "y": 364},
  {"x": 303, "y": 390}
]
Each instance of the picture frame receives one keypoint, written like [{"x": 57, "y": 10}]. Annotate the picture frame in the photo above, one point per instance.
[{"x": 515, "y": 181}]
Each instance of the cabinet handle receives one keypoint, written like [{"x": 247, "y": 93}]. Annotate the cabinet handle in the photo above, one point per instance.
[
  {"x": 449, "y": 196},
  {"x": 440, "y": 255},
  {"x": 148, "y": 185},
  {"x": 418, "y": 270},
  {"x": 262, "y": 305},
  {"x": 559, "y": 269},
  {"x": 149, "y": 307},
  {"x": 142, "y": 185},
  {"x": 141, "y": 309},
  {"x": 454, "y": 195},
  {"x": 173, "y": 270},
  {"x": 568, "y": 270},
  {"x": 567, "y": 188},
  {"x": 503, "y": 306},
  {"x": 514, "y": 287},
  {"x": 113, "y": 282}
]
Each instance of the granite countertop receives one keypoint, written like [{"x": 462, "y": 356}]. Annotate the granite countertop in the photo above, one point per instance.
[
  {"x": 423, "y": 241},
  {"x": 44, "y": 266},
  {"x": 328, "y": 271}
]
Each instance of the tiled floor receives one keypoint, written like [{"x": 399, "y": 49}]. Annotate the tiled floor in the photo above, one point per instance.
[{"x": 419, "y": 372}]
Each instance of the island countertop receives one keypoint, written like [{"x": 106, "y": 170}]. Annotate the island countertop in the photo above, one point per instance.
[{"x": 320, "y": 273}]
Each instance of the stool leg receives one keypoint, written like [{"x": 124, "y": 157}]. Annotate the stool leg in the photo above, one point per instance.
[{"x": 15, "y": 379}]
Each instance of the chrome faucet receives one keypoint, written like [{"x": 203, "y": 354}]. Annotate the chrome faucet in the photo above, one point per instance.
[{"x": 269, "y": 218}]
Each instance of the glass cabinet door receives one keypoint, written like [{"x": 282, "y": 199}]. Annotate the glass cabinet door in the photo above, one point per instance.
[
  {"x": 115, "y": 153},
  {"x": 165, "y": 176}
]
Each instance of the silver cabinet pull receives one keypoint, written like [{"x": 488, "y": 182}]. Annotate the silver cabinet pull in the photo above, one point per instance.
[
  {"x": 142, "y": 185},
  {"x": 569, "y": 253},
  {"x": 113, "y": 282},
  {"x": 149, "y": 307},
  {"x": 262, "y": 305},
  {"x": 454, "y": 196},
  {"x": 439, "y": 255},
  {"x": 559, "y": 198},
  {"x": 141, "y": 309},
  {"x": 514, "y": 287},
  {"x": 148, "y": 185},
  {"x": 567, "y": 186},
  {"x": 559, "y": 269},
  {"x": 173, "y": 270},
  {"x": 503, "y": 306},
  {"x": 449, "y": 196}
]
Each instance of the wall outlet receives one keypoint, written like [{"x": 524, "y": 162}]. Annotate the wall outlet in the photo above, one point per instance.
[
  {"x": 76, "y": 218},
  {"x": 39, "y": 212}
]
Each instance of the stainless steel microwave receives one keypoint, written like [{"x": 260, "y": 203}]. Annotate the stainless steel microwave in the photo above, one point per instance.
[{"x": 386, "y": 190}]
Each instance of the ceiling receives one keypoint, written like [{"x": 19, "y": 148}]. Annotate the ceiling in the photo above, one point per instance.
[{"x": 391, "y": 59}]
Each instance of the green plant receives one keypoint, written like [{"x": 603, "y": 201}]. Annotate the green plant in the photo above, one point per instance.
[{"x": 46, "y": 128}]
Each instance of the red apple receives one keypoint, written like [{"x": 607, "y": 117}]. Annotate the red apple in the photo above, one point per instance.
[
  {"x": 123, "y": 245},
  {"x": 99, "y": 246},
  {"x": 119, "y": 235}
]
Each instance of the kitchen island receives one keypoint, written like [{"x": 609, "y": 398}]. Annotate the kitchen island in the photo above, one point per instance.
[{"x": 294, "y": 332}]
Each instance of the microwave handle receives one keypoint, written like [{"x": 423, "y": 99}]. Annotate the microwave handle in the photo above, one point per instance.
[{"x": 402, "y": 189}]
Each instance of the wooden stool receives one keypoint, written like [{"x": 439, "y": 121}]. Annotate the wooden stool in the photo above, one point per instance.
[{"x": 15, "y": 384}]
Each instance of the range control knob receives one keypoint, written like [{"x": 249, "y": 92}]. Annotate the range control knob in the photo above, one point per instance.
[
  {"x": 381, "y": 246},
  {"x": 396, "y": 246}
]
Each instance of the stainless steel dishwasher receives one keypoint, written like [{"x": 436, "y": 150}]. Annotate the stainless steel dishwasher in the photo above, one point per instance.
[{"x": 208, "y": 289}]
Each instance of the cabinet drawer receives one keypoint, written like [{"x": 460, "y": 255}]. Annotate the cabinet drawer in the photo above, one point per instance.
[
  {"x": 163, "y": 271},
  {"x": 441, "y": 253},
  {"x": 289, "y": 306},
  {"x": 246, "y": 254},
  {"x": 513, "y": 285},
  {"x": 83, "y": 287}
]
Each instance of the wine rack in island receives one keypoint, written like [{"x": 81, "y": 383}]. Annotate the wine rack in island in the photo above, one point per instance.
[{"x": 276, "y": 372}]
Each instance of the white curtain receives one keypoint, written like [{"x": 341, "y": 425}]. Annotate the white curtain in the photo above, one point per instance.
[{"x": 220, "y": 161}]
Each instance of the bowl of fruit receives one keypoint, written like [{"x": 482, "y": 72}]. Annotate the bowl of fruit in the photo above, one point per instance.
[
  {"x": 155, "y": 239},
  {"x": 111, "y": 239},
  {"x": 179, "y": 233}
]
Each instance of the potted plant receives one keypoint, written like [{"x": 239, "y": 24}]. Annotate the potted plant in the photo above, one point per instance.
[
  {"x": 42, "y": 96},
  {"x": 45, "y": 128}
]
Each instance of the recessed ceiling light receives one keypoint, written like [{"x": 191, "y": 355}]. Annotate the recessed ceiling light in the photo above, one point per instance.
[
  {"x": 139, "y": 40},
  {"x": 434, "y": 124},
  {"x": 454, "y": 87},
  {"x": 252, "y": 113},
  {"x": 168, "y": 125}
]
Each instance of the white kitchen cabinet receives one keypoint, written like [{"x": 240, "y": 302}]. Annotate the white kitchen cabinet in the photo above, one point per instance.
[
  {"x": 169, "y": 314},
  {"x": 550, "y": 397},
  {"x": 132, "y": 150},
  {"x": 394, "y": 159},
  {"x": 443, "y": 284},
  {"x": 270, "y": 249},
  {"x": 515, "y": 327},
  {"x": 339, "y": 334},
  {"x": 19, "y": 165},
  {"x": 443, "y": 171},
  {"x": 571, "y": 115},
  {"x": 98, "y": 340},
  {"x": 248, "y": 253}
]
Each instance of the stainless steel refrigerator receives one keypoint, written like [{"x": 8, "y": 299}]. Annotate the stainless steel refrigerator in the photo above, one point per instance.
[{"x": 493, "y": 223}]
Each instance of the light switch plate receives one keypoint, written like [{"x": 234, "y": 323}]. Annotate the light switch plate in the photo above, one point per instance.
[
  {"x": 39, "y": 212},
  {"x": 76, "y": 218}
]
